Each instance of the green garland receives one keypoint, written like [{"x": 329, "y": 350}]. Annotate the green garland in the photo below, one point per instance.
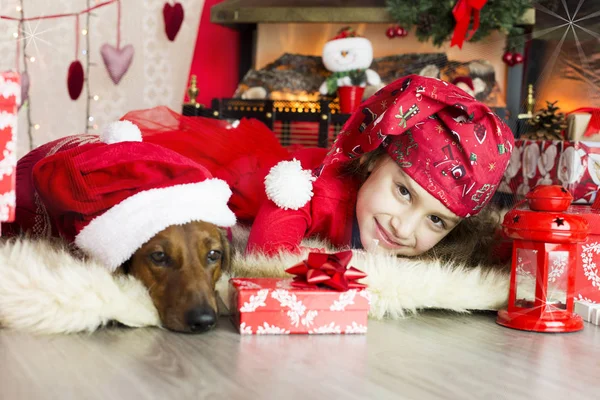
[
  {"x": 357, "y": 77},
  {"x": 434, "y": 21}
]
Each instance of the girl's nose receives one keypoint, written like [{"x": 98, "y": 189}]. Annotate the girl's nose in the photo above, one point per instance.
[{"x": 404, "y": 227}]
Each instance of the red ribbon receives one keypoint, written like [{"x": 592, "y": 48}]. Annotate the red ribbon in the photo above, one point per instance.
[
  {"x": 327, "y": 269},
  {"x": 462, "y": 11}
]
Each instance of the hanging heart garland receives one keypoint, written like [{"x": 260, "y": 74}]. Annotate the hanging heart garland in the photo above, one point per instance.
[
  {"x": 75, "y": 79},
  {"x": 117, "y": 60},
  {"x": 24, "y": 88},
  {"x": 75, "y": 76},
  {"x": 173, "y": 17}
]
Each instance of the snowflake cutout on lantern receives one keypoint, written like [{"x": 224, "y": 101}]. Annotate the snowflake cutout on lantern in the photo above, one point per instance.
[
  {"x": 521, "y": 271},
  {"x": 557, "y": 268}
]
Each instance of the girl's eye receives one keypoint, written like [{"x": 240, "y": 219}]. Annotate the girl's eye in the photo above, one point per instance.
[
  {"x": 404, "y": 192},
  {"x": 437, "y": 221}
]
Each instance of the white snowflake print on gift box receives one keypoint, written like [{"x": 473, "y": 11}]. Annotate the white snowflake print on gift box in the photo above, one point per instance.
[
  {"x": 289, "y": 300},
  {"x": 346, "y": 299},
  {"x": 355, "y": 328},
  {"x": 267, "y": 329},
  {"x": 326, "y": 329},
  {"x": 7, "y": 200},
  {"x": 9, "y": 159},
  {"x": 579, "y": 297},
  {"x": 367, "y": 295},
  {"x": 246, "y": 284},
  {"x": 245, "y": 330},
  {"x": 589, "y": 266},
  {"x": 257, "y": 300}
]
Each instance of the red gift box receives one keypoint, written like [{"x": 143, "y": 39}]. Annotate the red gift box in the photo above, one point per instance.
[
  {"x": 587, "y": 277},
  {"x": 10, "y": 97},
  {"x": 261, "y": 306},
  {"x": 572, "y": 165}
]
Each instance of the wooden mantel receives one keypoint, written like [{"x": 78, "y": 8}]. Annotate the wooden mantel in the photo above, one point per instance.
[{"x": 231, "y": 12}]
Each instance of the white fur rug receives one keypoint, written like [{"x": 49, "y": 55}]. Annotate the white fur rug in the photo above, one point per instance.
[{"x": 45, "y": 289}]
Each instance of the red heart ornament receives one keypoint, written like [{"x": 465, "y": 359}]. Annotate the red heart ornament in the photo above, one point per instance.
[
  {"x": 24, "y": 88},
  {"x": 75, "y": 79},
  {"x": 173, "y": 16},
  {"x": 117, "y": 61}
]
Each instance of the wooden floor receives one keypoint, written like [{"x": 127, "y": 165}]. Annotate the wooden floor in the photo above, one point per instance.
[{"x": 434, "y": 356}]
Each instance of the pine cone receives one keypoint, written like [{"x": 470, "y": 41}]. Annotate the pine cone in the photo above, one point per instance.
[
  {"x": 547, "y": 124},
  {"x": 425, "y": 23}
]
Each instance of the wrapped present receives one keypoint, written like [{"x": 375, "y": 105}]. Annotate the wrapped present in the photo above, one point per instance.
[
  {"x": 273, "y": 306},
  {"x": 10, "y": 97},
  {"x": 584, "y": 124},
  {"x": 323, "y": 297},
  {"x": 572, "y": 165}
]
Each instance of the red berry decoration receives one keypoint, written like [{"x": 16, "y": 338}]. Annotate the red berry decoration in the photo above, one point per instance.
[
  {"x": 508, "y": 58},
  {"x": 390, "y": 32},
  {"x": 400, "y": 31},
  {"x": 517, "y": 58}
]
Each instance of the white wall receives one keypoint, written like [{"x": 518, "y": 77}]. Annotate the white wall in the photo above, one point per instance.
[{"x": 157, "y": 76}]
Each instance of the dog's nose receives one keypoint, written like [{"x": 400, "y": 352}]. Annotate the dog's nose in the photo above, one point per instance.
[{"x": 201, "y": 319}]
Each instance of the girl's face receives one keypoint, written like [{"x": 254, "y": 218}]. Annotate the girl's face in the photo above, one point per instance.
[{"x": 396, "y": 215}]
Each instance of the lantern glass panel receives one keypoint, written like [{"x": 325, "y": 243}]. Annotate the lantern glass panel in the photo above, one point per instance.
[
  {"x": 557, "y": 279},
  {"x": 525, "y": 278}
]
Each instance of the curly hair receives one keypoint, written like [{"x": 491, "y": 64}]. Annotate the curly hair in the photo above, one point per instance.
[{"x": 470, "y": 243}]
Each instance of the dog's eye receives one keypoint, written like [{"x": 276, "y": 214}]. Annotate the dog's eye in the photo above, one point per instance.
[
  {"x": 213, "y": 256},
  {"x": 159, "y": 258}
]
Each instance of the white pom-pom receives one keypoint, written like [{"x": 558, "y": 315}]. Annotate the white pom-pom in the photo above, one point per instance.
[
  {"x": 288, "y": 185},
  {"x": 121, "y": 131}
]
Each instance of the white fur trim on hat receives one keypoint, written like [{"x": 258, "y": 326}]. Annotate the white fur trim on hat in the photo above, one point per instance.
[
  {"x": 288, "y": 185},
  {"x": 121, "y": 131},
  {"x": 113, "y": 237}
]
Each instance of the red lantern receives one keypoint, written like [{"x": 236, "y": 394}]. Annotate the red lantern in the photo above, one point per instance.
[{"x": 544, "y": 261}]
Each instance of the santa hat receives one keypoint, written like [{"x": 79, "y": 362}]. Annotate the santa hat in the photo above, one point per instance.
[
  {"x": 111, "y": 197},
  {"x": 453, "y": 146},
  {"x": 344, "y": 33}
]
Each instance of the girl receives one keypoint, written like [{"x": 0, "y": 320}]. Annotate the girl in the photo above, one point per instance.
[{"x": 407, "y": 174}]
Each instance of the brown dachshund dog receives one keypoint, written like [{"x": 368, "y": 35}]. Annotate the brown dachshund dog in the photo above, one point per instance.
[{"x": 180, "y": 267}]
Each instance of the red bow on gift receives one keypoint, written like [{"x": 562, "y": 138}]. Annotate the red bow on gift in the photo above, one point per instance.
[
  {"x": 462, "y": 12},
  {"x": 327, "y": 269}
]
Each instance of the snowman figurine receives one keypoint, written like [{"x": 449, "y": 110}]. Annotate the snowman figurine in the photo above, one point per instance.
[{"x": 348, "y": 56}]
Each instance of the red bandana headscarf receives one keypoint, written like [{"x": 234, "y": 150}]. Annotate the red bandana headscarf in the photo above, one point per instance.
[{"x": 453, "y": 146}]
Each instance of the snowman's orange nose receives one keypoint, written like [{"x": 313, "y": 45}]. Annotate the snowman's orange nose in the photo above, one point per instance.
[{"x": 344, "y": 53}]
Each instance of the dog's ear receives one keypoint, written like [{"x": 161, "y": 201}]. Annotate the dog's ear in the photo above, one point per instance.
[
  {"x": 226, "y": 263},
  {"x": 125, "y": 268}
]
